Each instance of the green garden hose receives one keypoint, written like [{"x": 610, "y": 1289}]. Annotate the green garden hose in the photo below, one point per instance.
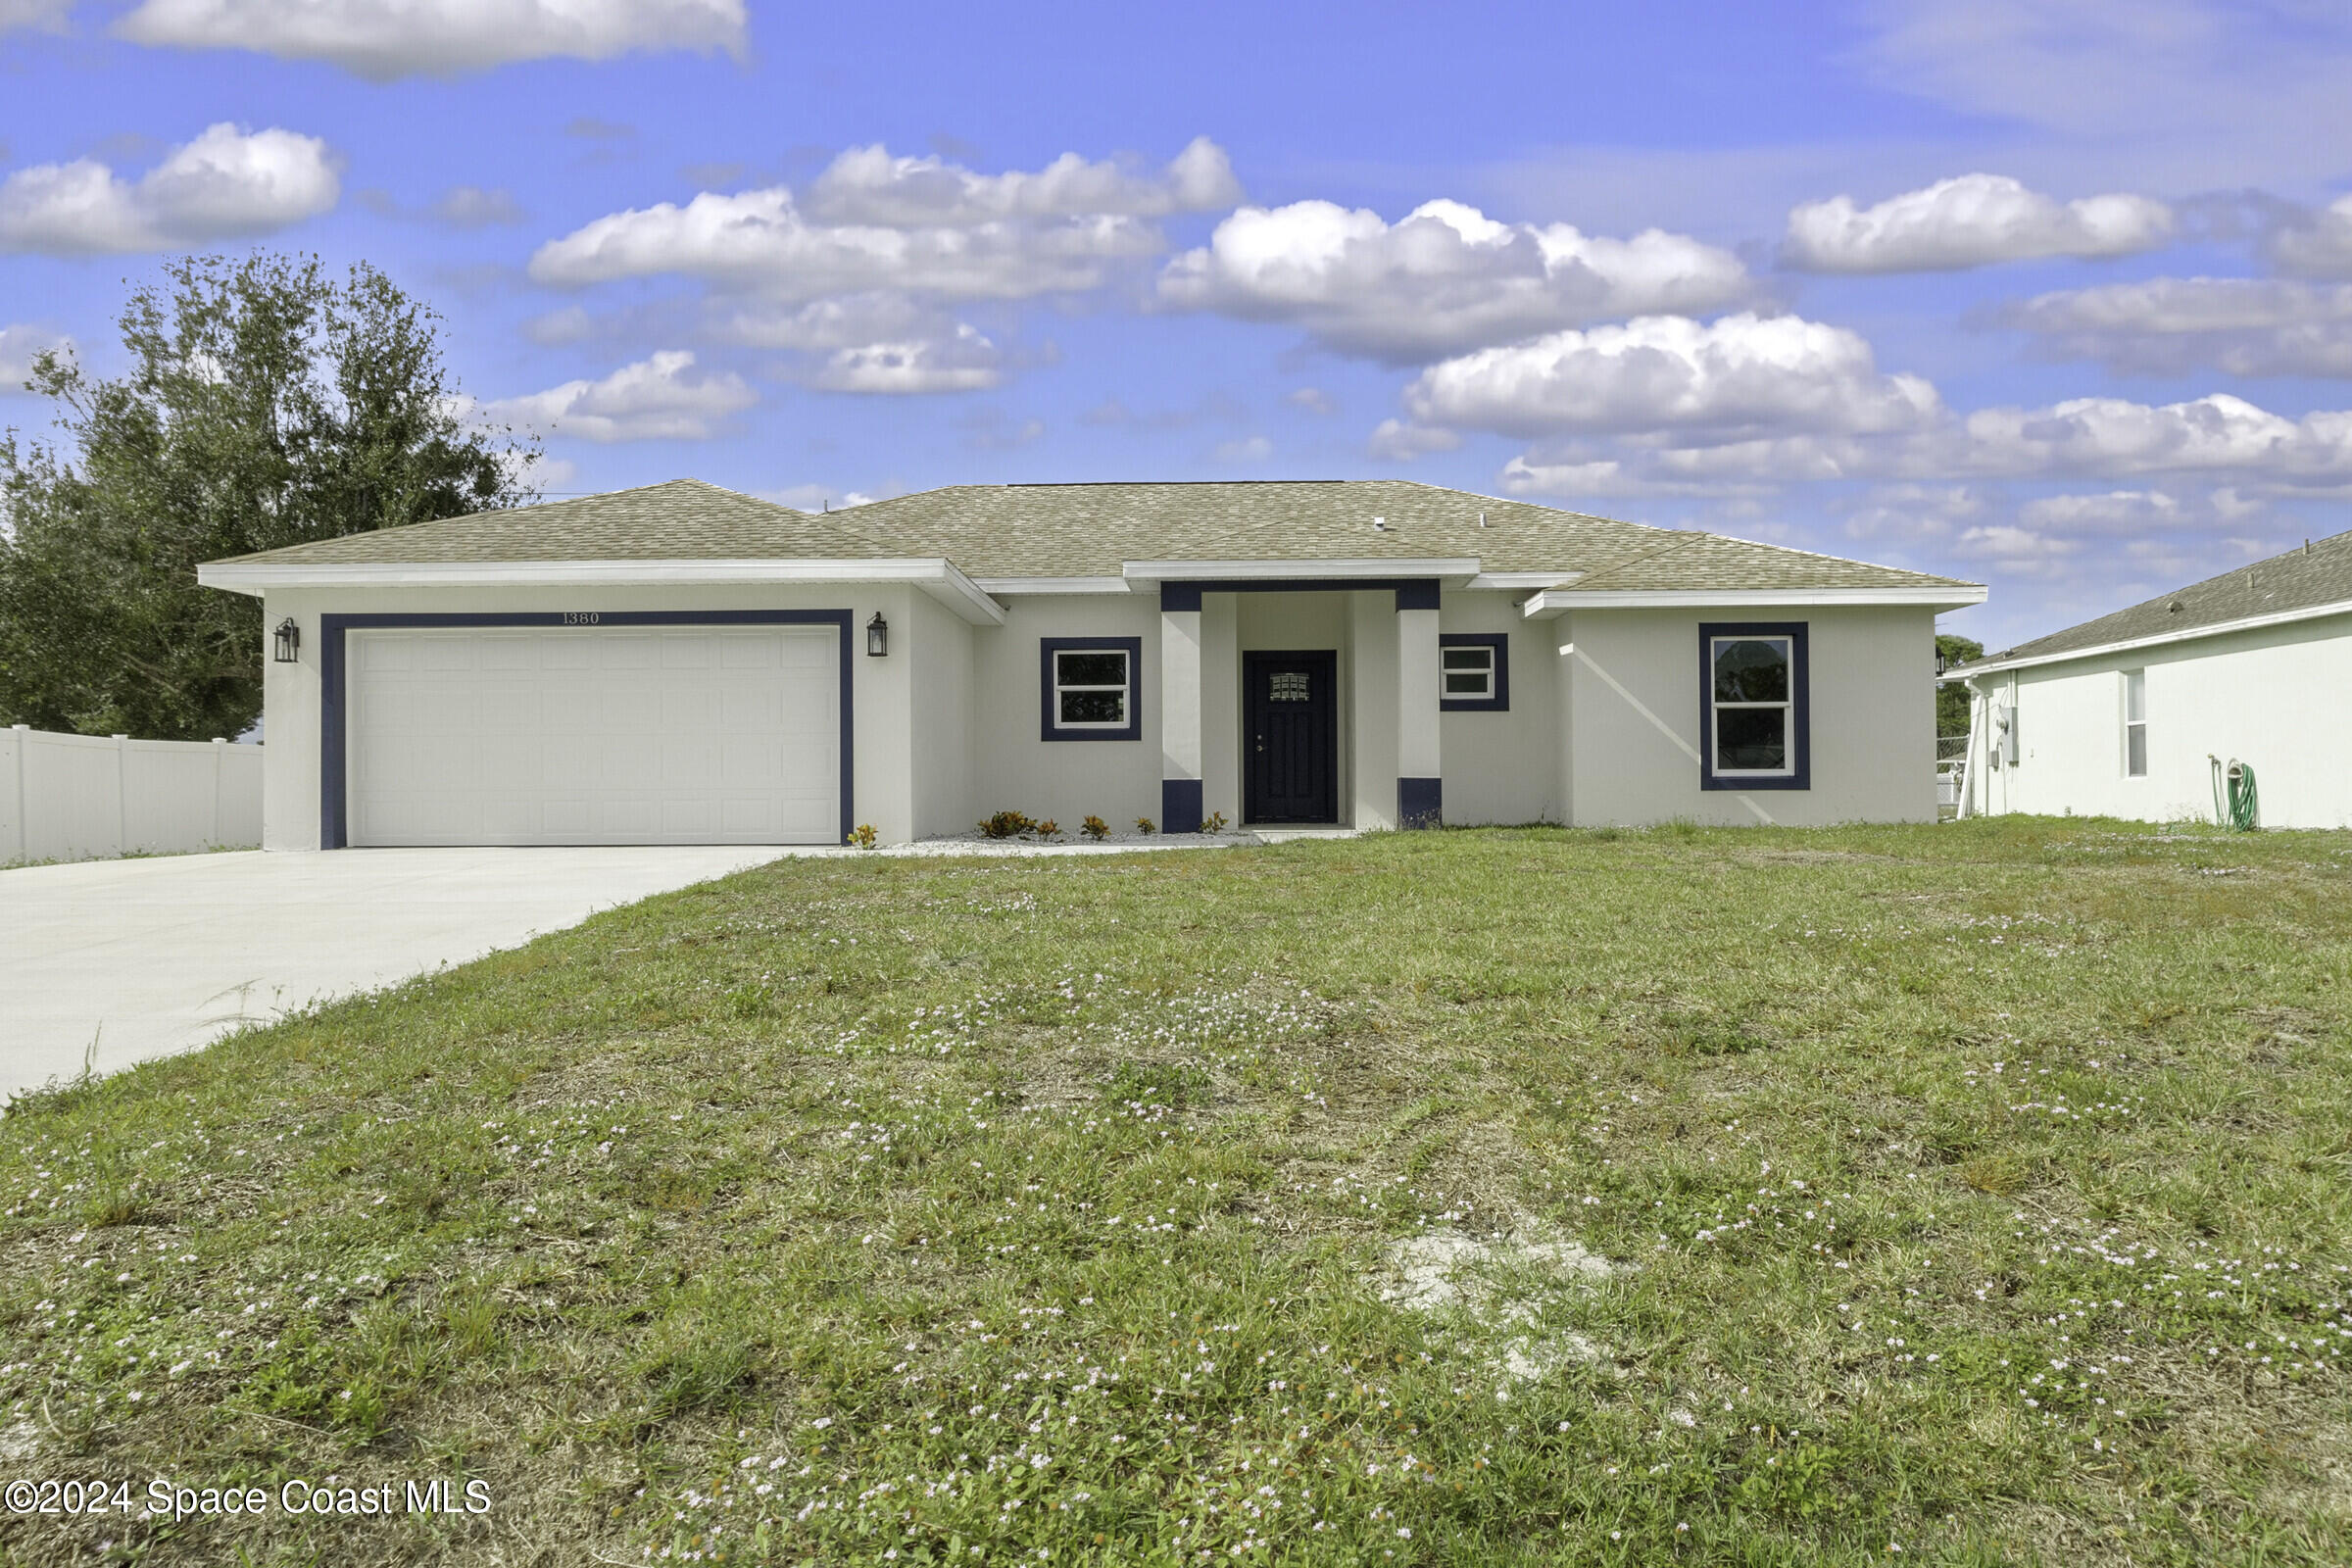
[{"x": 2236, "y": 801}]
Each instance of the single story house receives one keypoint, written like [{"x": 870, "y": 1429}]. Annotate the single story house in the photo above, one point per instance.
[
  {"x": 681, "y": 664},
  {"x": 2131, "y": 715}
]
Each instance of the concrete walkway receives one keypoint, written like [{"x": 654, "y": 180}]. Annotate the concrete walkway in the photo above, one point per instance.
[{"x": 151, "y": 956}]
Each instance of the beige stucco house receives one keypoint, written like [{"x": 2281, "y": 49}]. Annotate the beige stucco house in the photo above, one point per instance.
[{"x": 681, "y": 664}]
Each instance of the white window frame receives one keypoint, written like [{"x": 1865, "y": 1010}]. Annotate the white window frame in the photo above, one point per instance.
[
  {"x": 2136, "y": 684},
  {"x": 1447, "y": 669},
  {"x": 1124, "y": 687},
  {"x": 1716, "y": 706}
]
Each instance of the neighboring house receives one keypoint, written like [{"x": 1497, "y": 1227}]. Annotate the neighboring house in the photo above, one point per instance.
[
  {"x": 684, "y": 665},
  {"x": 2128, "y": 715}
]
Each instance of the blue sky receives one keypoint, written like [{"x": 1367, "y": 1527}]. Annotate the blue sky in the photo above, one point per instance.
[{"x": 2050, "y": 294}]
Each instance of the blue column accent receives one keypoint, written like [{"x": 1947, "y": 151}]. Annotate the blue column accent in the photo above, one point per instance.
[
  {"x": 1180, "y": 808},
  {"x": 1420, "y": 801},
  {"x": 1179, "y": 596},
  {"x": 1417, "y": 593}
]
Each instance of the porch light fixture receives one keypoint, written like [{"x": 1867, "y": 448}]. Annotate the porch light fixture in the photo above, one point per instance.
[
  {"x": 288, "y": 637},
  {"x": 1940, "y": 665},
  {"x": 877, "y": 636}
]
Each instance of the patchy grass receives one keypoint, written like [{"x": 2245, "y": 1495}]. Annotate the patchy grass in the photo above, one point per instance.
[{"x": 1975, "y": 1192}]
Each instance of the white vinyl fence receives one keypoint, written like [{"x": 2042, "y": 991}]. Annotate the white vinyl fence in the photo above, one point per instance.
[{"x": 92, "y": 797}]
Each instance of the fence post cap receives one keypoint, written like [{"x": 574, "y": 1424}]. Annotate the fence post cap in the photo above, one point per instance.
[
  {"x": 219, "y": 740},
  {"x": 122, "y": 737}
]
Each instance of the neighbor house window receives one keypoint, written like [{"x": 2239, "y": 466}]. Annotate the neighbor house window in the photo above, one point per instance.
[
  {"x": 1755, "y": 723},
  {"x": 1474, "y": 672},
  {"x": 1089, "y": 688},
  {"x": 2135, "y": 723}
]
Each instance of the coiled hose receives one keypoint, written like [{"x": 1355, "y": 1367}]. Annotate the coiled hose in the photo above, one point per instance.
[{"x": 2236, "y": 802}]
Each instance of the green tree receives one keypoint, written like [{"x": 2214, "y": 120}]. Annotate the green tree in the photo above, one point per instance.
[
  {"x": 1951, "y": 701},
  {"x": 266, "y": 404}
]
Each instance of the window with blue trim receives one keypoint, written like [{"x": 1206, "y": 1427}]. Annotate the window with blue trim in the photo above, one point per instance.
[
  {"x": 1474, "y": 672},
  {"x": 1089, "y": 688},
  {"x": 1754, "y": 731}
]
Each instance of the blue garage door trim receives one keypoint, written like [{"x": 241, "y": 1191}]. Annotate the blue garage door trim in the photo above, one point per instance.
[{"x": 333, "y": 806}]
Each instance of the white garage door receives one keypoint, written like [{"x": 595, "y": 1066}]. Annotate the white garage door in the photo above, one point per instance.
[{"x": 595, "y": 735}]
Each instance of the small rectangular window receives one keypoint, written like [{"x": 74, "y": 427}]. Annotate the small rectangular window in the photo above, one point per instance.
[
  {"x": 1752, "y": 707},
  {"x": 1089, "y": 691},
  {"x": 2135, "y": 723},
  {"x": 1474, "y": 672},
  {"x": 1469, "y": 671}
]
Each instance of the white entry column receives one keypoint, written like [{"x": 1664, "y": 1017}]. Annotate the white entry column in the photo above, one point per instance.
[
  {"x": 1180, "y": 803},
  {"x": 1420, "y": 775}
]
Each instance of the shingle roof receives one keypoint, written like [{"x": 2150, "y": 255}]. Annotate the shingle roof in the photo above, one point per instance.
[
  {"x": 684, "y": 519},
  {"x": 1701, "y": 561},
  {"x": 1091, "y": 530},
  {"x": 2318, "y": 573}
]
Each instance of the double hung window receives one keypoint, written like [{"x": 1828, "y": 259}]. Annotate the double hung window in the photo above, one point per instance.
[
  {"x": 1089, "y": 688},
  {"x": 1754, "y": 705},
  {"x": 1474, "y": 672}
]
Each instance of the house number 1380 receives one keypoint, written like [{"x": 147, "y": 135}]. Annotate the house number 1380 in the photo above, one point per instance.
[{"x": 579, "y": 617}]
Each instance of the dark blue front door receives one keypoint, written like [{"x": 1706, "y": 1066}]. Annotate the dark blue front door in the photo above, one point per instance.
[{"x": 1290, "y": 718}]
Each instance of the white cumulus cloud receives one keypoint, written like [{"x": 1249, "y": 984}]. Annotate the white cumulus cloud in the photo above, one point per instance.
[
  {"x": 656, "y": 399},
  {"x": 1741, "y": 372},
  {"x": 1968, "y": 221},
  {"x": 1590, "y": 477},
  {"x": 761, "y": 241},
  {"x": 2166, "y": 325},
  {"x": 842, "y": 321},
  {"x": 1444, "y": 278},
  {"x": 854, "y": 277},
  {"x": 2127, "y": 509},
  {"x": 381, "y": 39},
  {"x": 2319, "y": 246},
  {"x": 2249, "y": 449},
  {"x": 227, "y": 182},
  {"x": 867, "y": 185},
  {"x": 19, "y": 345},
  {"x": 962, "y": 361},
  {"x": 2113, "y": 437},
  {"x": 1401, "y": 441}
]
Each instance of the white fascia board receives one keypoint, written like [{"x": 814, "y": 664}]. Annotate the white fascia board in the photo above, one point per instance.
[
  {"x": 2283, "y": 617},
  {"x": 935, "y": 576},
  {"x": 1456, "y": 569},
  {"x": 1559, "y": 601},
  {"x": 1514, "y": 582},
  {"x": 1054, "y": 585}
]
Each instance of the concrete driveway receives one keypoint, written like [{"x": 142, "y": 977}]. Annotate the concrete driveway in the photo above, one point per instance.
[{"x": 147, "y": 957}]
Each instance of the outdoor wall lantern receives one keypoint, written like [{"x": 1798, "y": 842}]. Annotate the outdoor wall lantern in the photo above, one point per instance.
[
  {"x": 877, "y": 636},
  {"x": 289, "y": 641}
]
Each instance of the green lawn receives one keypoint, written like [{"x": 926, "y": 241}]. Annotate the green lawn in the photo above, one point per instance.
[{"x": 1973, "y": 1194}]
